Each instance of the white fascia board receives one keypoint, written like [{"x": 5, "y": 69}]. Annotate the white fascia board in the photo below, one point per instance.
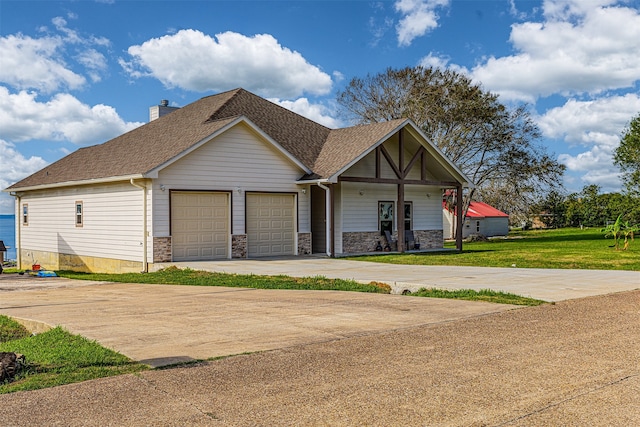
[
  {"x": 240, "y": 119},
  {"x": 315, "y": 181},
  {"x": 76, "y": 183}
]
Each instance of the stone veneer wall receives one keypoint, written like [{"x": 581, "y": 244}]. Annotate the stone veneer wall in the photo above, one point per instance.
[
  {"x": 359, "y": 242},
  {"x": 162, "y": 249},
  {"x": 239, "y": 246},
  {"x": 304, "y": 243},
  {"x": 429, "y": 239}
]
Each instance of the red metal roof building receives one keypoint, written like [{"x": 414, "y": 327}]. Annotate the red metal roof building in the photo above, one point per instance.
[{"x": 482, "y": 219}]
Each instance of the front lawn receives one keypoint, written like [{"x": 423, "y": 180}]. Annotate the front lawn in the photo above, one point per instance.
[{"x": 567, "y": 248}]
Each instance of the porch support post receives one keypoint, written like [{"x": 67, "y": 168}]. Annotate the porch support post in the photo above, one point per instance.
[
  {"x": 400, "y": 208},
  {"x": 400, "y": 217},
  {"x": 328, "y": 219},
  {"x": 459, "y": 217},
  {"x": 333, "y": 219}
]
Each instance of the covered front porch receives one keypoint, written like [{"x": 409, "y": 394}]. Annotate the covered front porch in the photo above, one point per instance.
[{"x": 389, "y": 199}]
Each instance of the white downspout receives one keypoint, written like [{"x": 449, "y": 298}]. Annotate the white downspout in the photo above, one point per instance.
[
  {"x": 145, "y": 264},
  {"x": 18, "y": 230},
  {"x": 328, "y": 224}
]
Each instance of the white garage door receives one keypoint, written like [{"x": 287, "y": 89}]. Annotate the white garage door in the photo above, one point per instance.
[
  {"x": 199, "y": 225},
  {"x": 270, "y": 224}
]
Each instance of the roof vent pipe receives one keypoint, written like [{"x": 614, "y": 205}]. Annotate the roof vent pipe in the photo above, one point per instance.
[{"x": 164, "y": 102}]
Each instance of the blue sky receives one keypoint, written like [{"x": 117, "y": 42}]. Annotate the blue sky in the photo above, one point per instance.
[{"x": 77, "y": 73}]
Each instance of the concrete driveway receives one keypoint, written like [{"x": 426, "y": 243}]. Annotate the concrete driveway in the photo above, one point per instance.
[
  {"x": 161, "y": 324},
  {"x": 574, "y": 363},
  {"x": 544, "y": 284},
  {"x": 164, "y": 324}
]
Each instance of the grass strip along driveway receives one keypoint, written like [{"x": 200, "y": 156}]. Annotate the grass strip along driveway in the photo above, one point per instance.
[
  {"x": 177, "y": 276},
  {"x": 57, "y": 357},
  {"x": 567, "y": 248}
]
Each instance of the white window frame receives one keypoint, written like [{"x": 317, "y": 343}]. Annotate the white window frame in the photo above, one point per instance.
[
  {"x": 25, "y": 214},
  {"x": 79, "y": 213}
]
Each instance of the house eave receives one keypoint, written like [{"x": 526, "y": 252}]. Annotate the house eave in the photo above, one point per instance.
[
  {"x": 317, "y": 181},
  {"x": 75, "y": 183}
]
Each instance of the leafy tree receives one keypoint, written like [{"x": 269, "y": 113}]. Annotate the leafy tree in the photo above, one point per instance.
[
  {"x": 590, "y": 208},
  {"x": 490, "y": 142},
  {"x": 553, "y": 210},
  {"x": 593, "y": 207},
  {"x": 627, "y": 156},
  {"x": 499, "y": 194},
  {"x": 574, "y": 210}
]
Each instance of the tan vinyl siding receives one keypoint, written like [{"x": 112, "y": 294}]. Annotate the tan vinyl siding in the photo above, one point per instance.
[
  {"x": 238, "y": 161},
  {"x": 112, "y": 221}
]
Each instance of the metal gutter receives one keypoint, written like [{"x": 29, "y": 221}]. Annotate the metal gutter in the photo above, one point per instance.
[{"x": 73, "y": 183}]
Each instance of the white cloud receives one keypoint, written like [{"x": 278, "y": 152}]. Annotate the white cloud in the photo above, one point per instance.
[
  {"x": 566, "y": 9},
  {"x": 583, "y": 46},
  {"x": 418, "y": 18},
  {"x": 35, "y": 63},
  {"x": 62, "y": 118},
  {"x": 14, "y": 166},
  {"x": 435, "y": 61},
  {"x": 94, "y": 61},
  {"x": 595, "y": 124},
  {"x": 196, "y": 61},
  {"x": 43, "y": 64},
  {"x": 594, "y": 167},
  {"x": 316, "y": 112}
]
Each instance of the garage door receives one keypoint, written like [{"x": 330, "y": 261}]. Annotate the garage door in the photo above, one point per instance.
[
  {"x": 270, "y": 224},
  {"x": 199, "y": 225}
]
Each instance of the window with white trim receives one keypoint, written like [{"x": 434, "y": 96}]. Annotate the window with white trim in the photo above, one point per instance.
[
  {"x": 79, "y": 218},
  {"x": 25, "y": 214}
]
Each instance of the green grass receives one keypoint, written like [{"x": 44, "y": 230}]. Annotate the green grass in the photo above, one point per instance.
[
  {"x": 176, "y": 276},
  {"x": 11, "y": 330},
  {"x": 485, "y": 295},
  {"x": 568, "y": 248},
  {"x": 57, "y": 357}
]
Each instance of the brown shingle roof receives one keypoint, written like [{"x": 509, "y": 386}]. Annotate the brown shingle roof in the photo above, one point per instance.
[{"x": 320, "y": 149}]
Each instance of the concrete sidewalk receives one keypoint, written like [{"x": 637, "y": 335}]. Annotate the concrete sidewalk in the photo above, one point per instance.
[{"x": 547, "y": 285}]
